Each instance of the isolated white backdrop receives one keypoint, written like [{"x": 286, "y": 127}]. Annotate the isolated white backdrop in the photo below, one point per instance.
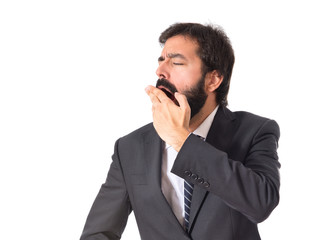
[{"x": 73, "y": 75}]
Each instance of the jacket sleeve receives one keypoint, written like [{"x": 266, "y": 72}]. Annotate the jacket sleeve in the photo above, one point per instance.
[
  {"x": 111, "y": 208},
  {"x": 251, "y": 186}
]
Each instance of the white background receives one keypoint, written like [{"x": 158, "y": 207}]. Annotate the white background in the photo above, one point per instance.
[{"x": 73, "y": 75}]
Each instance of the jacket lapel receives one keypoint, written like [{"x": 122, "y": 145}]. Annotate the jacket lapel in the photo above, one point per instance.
[
  {"x": 219, "y": 136},
  {"x": 222, "y": 129},
  {"x": 153, "y": 148}
]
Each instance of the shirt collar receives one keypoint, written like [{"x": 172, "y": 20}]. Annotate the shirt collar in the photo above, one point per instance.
[{"x": 204, "y": 127}]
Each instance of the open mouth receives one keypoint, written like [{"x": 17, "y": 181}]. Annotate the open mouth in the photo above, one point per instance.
[{"x": 169, "y": 94}]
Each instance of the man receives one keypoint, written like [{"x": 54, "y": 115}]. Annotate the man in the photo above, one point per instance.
[{"x": 199, "y": 171}]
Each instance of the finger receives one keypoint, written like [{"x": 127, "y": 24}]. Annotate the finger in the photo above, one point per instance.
[
  {"x": 157, "y": 92},
  {"x": 154, "y": 98},
  {"x": 182, "y": 100},
  {"x": 148, "y": 89}
]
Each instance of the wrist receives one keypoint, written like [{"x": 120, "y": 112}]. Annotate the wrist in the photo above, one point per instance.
[{"x": 182, "y": 137}]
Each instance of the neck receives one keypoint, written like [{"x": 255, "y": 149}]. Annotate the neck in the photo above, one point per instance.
[{"x": 198, "y": 119}]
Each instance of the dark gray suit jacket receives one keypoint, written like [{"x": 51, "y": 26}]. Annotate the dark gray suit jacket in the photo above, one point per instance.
[{"x": 235, "y": 175}]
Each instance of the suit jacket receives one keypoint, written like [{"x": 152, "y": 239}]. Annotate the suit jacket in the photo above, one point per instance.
[{"x": 235, "y": 173}]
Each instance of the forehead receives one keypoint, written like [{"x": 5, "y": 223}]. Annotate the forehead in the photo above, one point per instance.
[{"x": 181, "y": 45}]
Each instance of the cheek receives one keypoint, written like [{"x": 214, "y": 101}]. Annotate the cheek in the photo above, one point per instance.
[
  {"x": 182, "y": 82},
  {"x": 185, "y": 80}
]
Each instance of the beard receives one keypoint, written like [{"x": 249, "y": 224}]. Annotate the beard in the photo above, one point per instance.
[{"x": 196, "y": 96}]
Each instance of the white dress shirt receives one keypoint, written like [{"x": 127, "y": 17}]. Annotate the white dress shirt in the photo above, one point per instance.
[{"x": 172, "y": 185}]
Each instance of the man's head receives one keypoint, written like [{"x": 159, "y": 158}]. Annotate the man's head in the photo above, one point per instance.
[{"x": 196, "y": 52}]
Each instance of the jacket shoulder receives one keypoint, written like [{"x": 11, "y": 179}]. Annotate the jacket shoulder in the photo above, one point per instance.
[
  {"x": 250, "y": 120},
  {"x": 148, "y": 128},
  {"x": 138, "y": 136}
]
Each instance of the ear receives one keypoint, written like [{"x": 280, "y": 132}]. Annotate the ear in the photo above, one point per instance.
[{"x": 213, "y": 80}]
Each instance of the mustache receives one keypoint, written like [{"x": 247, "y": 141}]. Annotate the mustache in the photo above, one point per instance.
[{"x": 165, "y": 83}]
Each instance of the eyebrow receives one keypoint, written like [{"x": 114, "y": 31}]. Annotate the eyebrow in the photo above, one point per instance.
[{"x": 172, "y": 55}]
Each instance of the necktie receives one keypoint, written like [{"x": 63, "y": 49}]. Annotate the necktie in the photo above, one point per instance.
[{"x": 188, "y": 193}]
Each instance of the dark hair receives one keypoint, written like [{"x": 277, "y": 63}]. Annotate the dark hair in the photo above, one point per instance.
[{"x": 214, "y": 50}]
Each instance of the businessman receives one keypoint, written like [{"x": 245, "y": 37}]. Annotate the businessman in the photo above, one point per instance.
[{"x": 199, "y": 171}]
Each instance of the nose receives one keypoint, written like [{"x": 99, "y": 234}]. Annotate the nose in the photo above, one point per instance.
[{"x": 162, "y": 70}]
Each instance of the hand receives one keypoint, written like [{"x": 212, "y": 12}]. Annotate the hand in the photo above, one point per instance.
[{"x": 170, "y": 121}]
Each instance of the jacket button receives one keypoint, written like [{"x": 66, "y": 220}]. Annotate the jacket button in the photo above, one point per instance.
[
  {"x": 200, "y": 180},
  {"x": 194, "y": 176},
  {"x": 206, "y": 184},
  {"x": 188, "y": 173}
]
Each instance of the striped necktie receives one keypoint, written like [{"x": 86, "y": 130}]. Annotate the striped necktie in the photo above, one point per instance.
[{"x": 188, "y": 193}]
